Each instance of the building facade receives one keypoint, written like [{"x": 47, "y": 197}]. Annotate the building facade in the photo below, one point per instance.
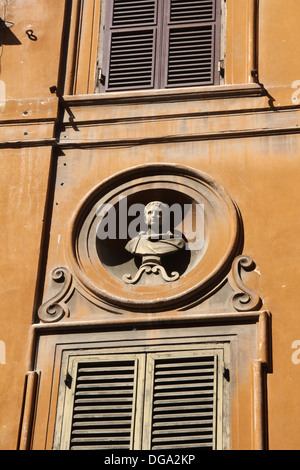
[{"x": 120, "y": 330}]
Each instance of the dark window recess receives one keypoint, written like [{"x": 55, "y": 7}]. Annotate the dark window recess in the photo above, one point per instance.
[{"x": 161, "y": 43}]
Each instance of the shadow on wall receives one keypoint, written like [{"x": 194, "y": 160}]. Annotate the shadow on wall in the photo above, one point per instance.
[{"x": 7, "y": 37}]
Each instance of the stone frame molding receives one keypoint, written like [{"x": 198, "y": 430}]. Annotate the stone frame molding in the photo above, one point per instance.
[{"x": 224, "y": 227}]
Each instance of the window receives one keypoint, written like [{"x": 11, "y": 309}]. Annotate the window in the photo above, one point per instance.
[
  {"x": 160, "y": 44},
  {"x": 238, "y": 344},
  {"x": 142, "y": 400}
]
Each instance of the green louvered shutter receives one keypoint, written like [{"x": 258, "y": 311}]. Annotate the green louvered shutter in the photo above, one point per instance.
[
  {"x": 101, "y": 404},
  {"x": 146, "y": 400},
  {"x": 185, "y": 392}
]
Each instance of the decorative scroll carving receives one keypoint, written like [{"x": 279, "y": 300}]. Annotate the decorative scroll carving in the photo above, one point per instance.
[
  {"x": 151, "y": 267},
  {"x": 247, "y": 300},
  {"x": 55, "y": 309}
]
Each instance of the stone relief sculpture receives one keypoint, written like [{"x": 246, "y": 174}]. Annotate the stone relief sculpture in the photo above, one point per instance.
[
  {"x": 245, "y": 299},
  {"x": 153, "y": 266},
  {"x": 154, "y": 244},
  {"x": 56, "y": 308}
]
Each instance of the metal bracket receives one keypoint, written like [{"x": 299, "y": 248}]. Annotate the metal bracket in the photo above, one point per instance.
[
  {"x": 68, "y": 380},
  {"x": 221, "y": 68},
  {"x": 100, "y": 76},
  {"x": 5, "y": 24}
]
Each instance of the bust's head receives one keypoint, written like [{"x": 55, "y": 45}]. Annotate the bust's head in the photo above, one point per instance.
[
  {"x": 155, "y": 242},
  {"x": 154, "y": 214}
]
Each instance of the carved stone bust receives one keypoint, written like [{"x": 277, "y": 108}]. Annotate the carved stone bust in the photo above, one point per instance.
[
  {"x": 154, "y": 243},
  {"x": 154, "y": 240}
]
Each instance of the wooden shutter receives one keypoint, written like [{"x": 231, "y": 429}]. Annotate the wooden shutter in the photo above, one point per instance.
[
  {"x": 161, "y": 44},
  {"x": 184, "y": 392},
  {"x": 101, "y": 402},
  {"x": 191, "y": 43},
  {"x": 146, "y": 400},
  {"x": 130, "y": 47}
]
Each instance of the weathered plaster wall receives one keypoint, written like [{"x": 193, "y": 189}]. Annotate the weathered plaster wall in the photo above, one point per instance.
[{"x": 260, "y": 172}]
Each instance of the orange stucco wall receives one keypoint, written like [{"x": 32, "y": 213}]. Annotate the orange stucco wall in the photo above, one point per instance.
[{"x": 260, "y": 171}]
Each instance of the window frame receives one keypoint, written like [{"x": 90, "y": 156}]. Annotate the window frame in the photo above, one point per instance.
[
  {"x": 247, "y": 334},
  {"x": 80, "y": 72},
  {"x": 160, "y": 59}
]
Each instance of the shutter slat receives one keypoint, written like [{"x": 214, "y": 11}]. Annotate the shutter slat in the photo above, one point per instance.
[
  {"x": 182, "y": 379},
  {"x": 92, "y": 447},
  {"x": 101, "y": 408},
  {"x": 119, "y": 59},
  {"x": 179, "y": 424},
  {"x": 176, "y": 408},
  {"x": 184, "y": 417},
  {"x": 103, "y": 431},
  {"x": 195, "y": 438},
  {"x": 101, "y": 385},
  {"x": 136, "y": 72},
  {"x": 185, "y": 392},
  {"x": 98, "y": 378},
  {"x": 179, "y": 401},
  {"x": 103, "y": 400},
  {"x": 106, "y": 415},
  {"x": 92, "y": 370},
  {"x": 201, "y": 45},
  {"x": 109, "y": 393},
  {"x": 99, "y": 439},
  {"x": 183, "y": 434},
  {"x": 191, "y": 74},
  {"x": 185, "y": 365},
  {"x": 102, "y": 418},
  {"x": 177, "y": 59},
  {"x": 186, "y": 446},
  {"x": 97, "y": 424}
]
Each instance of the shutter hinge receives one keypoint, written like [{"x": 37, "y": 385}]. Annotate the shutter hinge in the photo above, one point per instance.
[
  {"x": 68, "y": 380},
  {"x": 221, "y": 68},
  {"x": 100, "y": 76}
]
